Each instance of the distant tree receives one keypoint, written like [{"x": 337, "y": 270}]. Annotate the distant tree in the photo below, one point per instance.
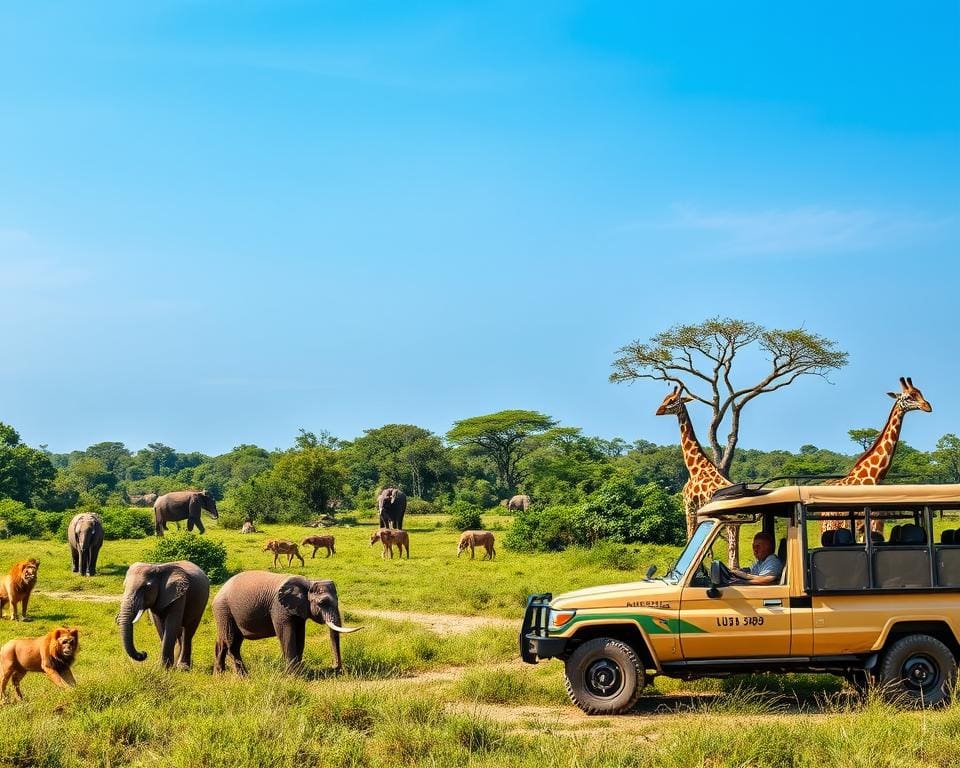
[
  {"x": 401, "y": 455},
  {"x": 565, "y": 466},
  {"x": 26, "y": 473},
  {"x": 115, "y": 457},
  {"x": 700, "y": 359},
  {"x": 947, "y": 456},
  {"x": 864, "y": 437},
  {"x": 504, "y": 438}
]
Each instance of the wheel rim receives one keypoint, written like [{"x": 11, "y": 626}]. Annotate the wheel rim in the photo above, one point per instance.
[
  {"x": 604, "y": 678},
  {"x": 920, "y": 673}
]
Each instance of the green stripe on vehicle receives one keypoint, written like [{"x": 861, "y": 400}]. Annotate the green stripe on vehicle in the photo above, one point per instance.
[{"x": 650, "y": 624}]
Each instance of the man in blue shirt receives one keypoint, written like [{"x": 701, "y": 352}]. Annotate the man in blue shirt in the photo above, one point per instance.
[{"x": 768, "y": 567}]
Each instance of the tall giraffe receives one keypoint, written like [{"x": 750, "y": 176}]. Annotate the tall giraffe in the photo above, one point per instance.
[
  {"x": 873, "y": 465},
  {"x": 705, "y": 478}
]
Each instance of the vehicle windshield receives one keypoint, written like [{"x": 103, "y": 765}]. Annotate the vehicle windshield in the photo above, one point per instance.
[{"x": 679, "y": 569}]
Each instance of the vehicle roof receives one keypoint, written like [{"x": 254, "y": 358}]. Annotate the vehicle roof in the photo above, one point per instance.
[{"x": 945, "y": 496}]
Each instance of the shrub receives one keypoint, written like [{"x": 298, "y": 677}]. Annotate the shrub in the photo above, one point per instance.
[
  {"x": 463, "y": 516},
  {"x": 418, "y": 506},
  {"x": 126, "y": 523},
  {"x": 542, "y": 529},
  {"x": 625, "y": 512},
  {"x": 208, "y": 554},
  {"x": 20, "y": 520},
  {"x": 609, "y": 554}
]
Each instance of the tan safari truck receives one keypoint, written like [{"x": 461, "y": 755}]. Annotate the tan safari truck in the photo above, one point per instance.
[{"x": 880, "y": 608}]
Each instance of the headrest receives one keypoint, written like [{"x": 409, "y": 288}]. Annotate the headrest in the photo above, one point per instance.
[
  {"x": 948, "y": 537},
  {"x": 844, "y": 537},
  {"x": 827, "y": 537},
  {"x": 912, "y": 534},
  {"x": 876, "y": 537},
  {"x": 895, "y": 534}
]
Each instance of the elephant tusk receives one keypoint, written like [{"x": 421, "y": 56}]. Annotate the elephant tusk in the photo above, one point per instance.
[
  {"x": 137, "y": 617},
  {"x": 343, "y": 630}
]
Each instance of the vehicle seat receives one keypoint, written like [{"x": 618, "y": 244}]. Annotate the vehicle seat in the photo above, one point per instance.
[
  {"x": 843, "y": 538},
  {"x": 948, "y": 537},
  {"x": 912, "y": 534},
  {"x": 876, "y": 537},
  {"x": 782, "y": 557},
  {"x": 827, "y": 537},
  {"x": 895, "y": 534}
]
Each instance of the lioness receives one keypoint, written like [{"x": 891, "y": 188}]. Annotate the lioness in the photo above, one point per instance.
[
  {"x": 389, "y": 537},
  {"x": 16, "y": 587},
  {"x": 51, "y": 654},
  {"x": 476, "y": 539},
  {"x": 283, "y": 547},
  {"x": 319, "y": 541}
]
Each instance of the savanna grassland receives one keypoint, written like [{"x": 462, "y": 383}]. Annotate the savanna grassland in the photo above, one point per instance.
[{"x": 433, "y": 679}]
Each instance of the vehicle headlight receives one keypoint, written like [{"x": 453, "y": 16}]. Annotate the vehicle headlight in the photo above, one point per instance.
[{"x": 559, "y": 619}]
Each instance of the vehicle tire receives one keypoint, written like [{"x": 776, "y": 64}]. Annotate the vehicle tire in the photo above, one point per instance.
[
  {"x": 918, "y": 670},
  {"x": 604, "y": 676}
]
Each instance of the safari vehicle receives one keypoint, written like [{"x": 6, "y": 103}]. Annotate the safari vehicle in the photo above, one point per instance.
[{"x": 878, "y": 608}]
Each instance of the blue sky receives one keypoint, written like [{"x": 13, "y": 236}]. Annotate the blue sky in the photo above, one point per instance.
[{"x": 220, "y": 222}]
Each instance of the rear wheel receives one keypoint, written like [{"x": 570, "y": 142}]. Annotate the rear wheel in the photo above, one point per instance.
[
  {"x": 918, "y": 670},
  {"x": 604, "y": 676}
]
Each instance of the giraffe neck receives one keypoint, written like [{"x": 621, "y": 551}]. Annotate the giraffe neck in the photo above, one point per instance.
[
  {"x": 876, "y": 461},
  {"x": 698, "y": 465}
]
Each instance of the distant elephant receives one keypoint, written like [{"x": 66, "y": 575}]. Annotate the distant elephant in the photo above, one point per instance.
[
  {"x": 176, "y": 596},
  {"x": 257, "y": 604},
  {"x": 143, "y": 500},
  {"x": 392, "y": 504},
  {"x": 183, "y": 505},
  {"x": 85, "y": 537},
  {"x": 521, "y": 501}
]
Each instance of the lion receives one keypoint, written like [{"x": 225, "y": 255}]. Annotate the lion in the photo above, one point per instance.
[
  {"x": 476, "y": 539},
  {"x": 51, "y": 654},
  {"x": 320, "y": 541},
  {"x": 16, "y": 587},
  {"x": 283, "y": 547},
  {"x": 248, "y": 527},
  {"x": 389, "y": 537}
]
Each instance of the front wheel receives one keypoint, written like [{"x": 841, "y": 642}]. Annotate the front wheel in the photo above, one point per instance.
[
  {"x": 918, "y": 670},
  {"x": 604, "y": 676}
]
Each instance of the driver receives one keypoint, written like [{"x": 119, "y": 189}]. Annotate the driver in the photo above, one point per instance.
[{"x": 768, "y": 567}]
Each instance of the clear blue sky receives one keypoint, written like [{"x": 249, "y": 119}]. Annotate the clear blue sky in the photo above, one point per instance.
[{"x": 220, "y": 222}]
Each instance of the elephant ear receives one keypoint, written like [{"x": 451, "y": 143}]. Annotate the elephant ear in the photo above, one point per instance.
[
  {"x": 174, "y": 587},
  {"x": 293, "y": 597}
]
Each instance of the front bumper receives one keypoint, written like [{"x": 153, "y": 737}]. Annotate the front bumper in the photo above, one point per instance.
[{"x": 535, "y": 643}]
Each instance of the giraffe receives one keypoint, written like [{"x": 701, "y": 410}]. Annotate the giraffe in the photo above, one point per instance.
[
  {"x": 873, "y": 465},
  {"x": 705, "y": 478}
]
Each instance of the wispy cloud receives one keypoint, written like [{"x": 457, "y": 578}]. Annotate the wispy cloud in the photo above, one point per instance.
[{"x": 805, "y": 230}]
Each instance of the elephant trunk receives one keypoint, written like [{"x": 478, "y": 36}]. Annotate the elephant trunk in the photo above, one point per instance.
[
  {"x": 331, "y": 617},
  {"x": 129, "y": 608}
]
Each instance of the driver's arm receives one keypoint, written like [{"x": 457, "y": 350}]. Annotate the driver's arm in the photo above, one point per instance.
[{"x": 749, "y": 578}]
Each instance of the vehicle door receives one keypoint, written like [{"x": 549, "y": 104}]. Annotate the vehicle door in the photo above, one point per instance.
[{"x": 738, "y": 620}]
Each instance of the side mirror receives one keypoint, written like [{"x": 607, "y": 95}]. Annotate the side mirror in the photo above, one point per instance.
[
  {"x": 650, "y": 571},
  {"x": 716, "y": 579}
]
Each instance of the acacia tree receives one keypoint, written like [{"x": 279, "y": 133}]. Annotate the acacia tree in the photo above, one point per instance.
[
  {"x": 699, "y": 358},
  {"x": 504, "y": 438}
]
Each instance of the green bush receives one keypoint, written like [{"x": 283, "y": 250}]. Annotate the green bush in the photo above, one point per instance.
[
  {"x": 126, "y": 523},
  {"x": 208, "y": 554},
  {"x": 20, "y": 520},
  {"x": 542, "y": 529},
  {"x": 609, "y": 554},
  {"x": 623, "y": 511},
  {"x": 463, "y": 516},
  {"x": 229, "y": 516},
  {"x": 418, "y": 506}
]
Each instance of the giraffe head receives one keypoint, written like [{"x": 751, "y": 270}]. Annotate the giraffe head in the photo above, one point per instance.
[
  {"x": 673, "y": 402},
  {"x": 910, "y": 398}
]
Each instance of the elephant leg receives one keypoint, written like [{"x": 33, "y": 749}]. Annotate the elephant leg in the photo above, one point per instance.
[
  {"x": 292, "y": 636},
  {"x": 189, "y": 524},
  {"x": 93, "y": 561},
  {"x": 75, "y": 556},
  {"x": 199, "y": 525},
  {"x": 186, "y": 648}
]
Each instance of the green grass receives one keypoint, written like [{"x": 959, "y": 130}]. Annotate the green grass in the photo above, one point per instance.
[{"x": 409, "y": 695}]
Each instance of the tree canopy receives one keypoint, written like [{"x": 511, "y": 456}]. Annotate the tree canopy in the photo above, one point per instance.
[
  {"x": 700, "y": 359},
  {"x": 504, "y": 438}
]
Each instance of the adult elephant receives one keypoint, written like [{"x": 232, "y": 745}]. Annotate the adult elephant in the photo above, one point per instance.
[
  {"x": 392, "y": 504},
  {"x": 521, "y": 501},
  {"x": 183, "y": 505},
  {"x": 257, "y": 604},
  {"x": 176, "y": 596},
  {"x": 85, "y": 537}
]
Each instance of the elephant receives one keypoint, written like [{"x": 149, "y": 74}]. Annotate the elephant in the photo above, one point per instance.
[
  {"x": 176, "y": 596},
  {"x": 85, "y": 537},
  {"x": 143, "y": 500},
  {"x": 521, "y": 501},
  {"x": 392, "y": 504},
  {"x": 256, "y": 604},
  {"x": 183, "y": 505}
]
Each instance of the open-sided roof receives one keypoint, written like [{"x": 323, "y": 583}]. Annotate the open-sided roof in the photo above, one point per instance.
[{"x": 942, "y": 496}]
